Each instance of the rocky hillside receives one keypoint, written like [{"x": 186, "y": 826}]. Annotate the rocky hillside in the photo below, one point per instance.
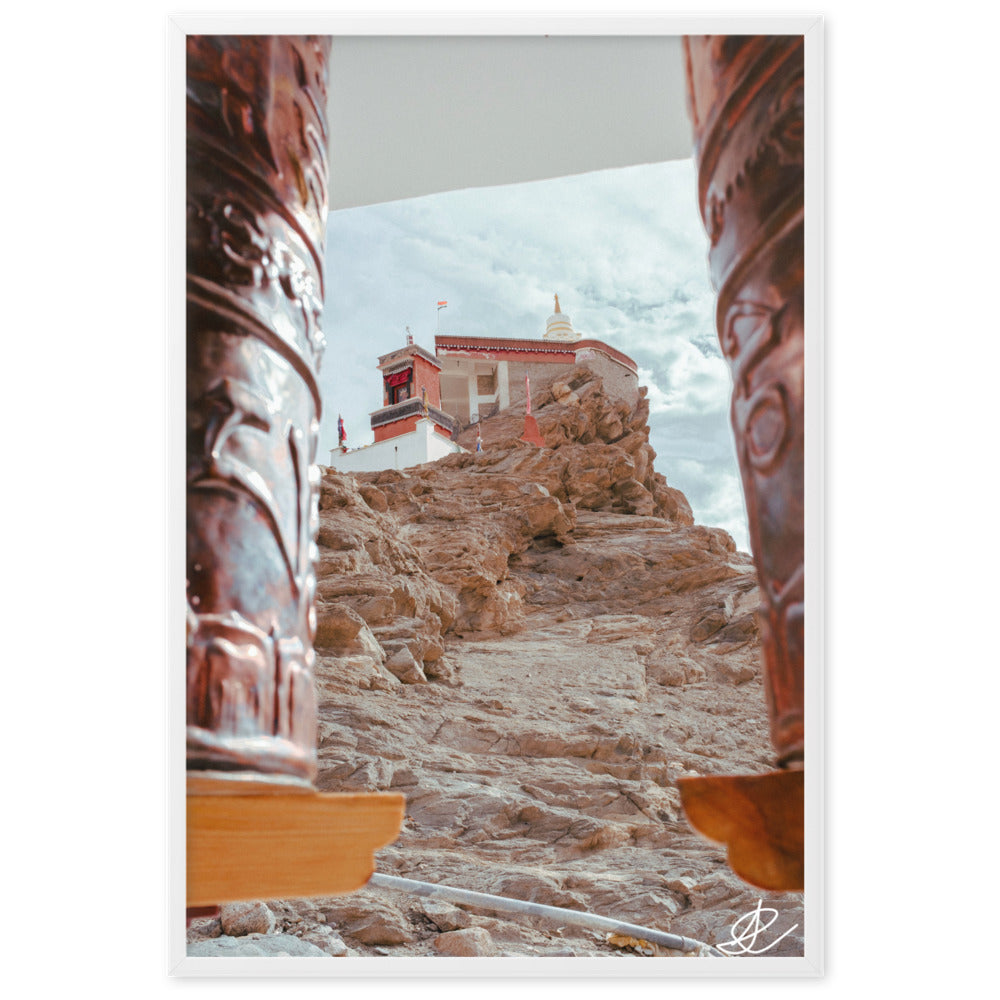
[{"x": 532, "y": 645}]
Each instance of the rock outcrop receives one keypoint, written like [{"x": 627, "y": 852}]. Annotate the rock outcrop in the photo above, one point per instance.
[{"x": 533, "y": 645}]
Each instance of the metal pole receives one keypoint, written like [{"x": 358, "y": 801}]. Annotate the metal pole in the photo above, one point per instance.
[{"x": 577, "y": 918}]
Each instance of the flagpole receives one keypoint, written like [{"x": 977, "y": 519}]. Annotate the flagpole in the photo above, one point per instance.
[{"x": 441, "y": 305}]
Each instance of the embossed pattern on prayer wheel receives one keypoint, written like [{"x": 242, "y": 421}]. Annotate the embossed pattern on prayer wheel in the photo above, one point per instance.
[
  {"x": 256, "y": 215},
  {"x": 745, "y": 95}
]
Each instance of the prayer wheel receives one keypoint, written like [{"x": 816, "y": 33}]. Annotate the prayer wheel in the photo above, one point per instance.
[
  {"x": 256, "y": 216},
  {"x": 746, "y": 99}
]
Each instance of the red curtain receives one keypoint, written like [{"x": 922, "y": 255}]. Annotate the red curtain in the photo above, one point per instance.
[{"x": 399, "y": 378}]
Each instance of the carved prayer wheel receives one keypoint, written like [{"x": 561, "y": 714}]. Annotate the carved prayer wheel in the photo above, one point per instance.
[
  {"x": 745, "y": 95},
  {"x": 256, "y": 217}
]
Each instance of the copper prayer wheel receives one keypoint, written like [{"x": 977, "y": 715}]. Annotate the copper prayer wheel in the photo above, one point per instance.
[
  {"x": 745, "y": 96},
  {"x": 256, "y": 217}
]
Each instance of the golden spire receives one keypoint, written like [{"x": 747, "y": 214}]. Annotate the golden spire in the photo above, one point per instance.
[{"x": 557, "y": 304}]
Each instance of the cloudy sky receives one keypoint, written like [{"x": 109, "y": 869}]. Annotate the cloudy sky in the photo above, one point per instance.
[{"x": 625, "y": 251}]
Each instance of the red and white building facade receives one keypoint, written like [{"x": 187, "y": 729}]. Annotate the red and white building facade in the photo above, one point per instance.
[
  {"x": 483, "y": 375},
  {"x": 428, "y": 398},
  {"x": 410, "y": 427}
]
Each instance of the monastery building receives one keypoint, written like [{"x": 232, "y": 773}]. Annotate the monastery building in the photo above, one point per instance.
[{"x": 427, "y": 399}]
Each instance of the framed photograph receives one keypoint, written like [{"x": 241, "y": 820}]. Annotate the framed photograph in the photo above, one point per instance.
[{"x": 496, "y": 357}]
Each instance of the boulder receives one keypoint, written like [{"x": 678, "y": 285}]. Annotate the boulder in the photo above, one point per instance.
[
  {"x": 470, "y": 942},
  {"x": 238, "y": 919}
]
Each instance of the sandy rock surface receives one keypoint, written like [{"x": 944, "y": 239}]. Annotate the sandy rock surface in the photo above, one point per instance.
[{"x": 532, "y": 645}]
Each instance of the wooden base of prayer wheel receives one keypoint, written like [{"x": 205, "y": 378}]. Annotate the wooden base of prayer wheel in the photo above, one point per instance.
[
  {"x": 746, "y": 95},
  {"x": 251, "y": 840}
]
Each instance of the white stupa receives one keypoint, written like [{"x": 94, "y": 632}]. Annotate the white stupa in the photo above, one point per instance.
[{"x": 558, "y": 326}]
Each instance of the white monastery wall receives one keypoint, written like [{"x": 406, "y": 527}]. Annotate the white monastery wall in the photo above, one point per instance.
[{"x": 418, "y": 446}]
